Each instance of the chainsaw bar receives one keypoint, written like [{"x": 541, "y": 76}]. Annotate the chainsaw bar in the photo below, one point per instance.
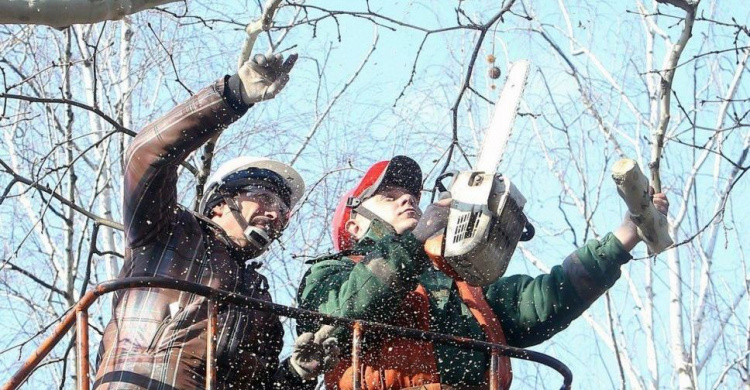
[{"x": 503, "y": 117}]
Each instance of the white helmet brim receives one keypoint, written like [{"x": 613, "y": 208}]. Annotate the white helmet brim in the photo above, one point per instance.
[{"x": 291, "y": 177}]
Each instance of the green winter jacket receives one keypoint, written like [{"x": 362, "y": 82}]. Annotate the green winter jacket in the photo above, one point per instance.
[{"x": 531, "y": 310}]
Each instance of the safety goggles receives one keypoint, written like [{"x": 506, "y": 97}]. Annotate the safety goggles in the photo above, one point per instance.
[{"x": 266, "y": 199}]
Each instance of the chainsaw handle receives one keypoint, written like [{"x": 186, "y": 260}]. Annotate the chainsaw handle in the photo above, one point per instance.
[
  {"x": 439, "y": 186},
  {"x": 439, "y": 181},
  {"x": 528, "y": 231}
]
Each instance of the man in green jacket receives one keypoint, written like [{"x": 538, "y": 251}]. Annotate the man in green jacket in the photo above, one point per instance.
[{"x": 383, "y": 274}]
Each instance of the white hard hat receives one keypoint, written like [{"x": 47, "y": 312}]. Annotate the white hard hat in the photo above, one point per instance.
[{"x": 237, "y": 173}]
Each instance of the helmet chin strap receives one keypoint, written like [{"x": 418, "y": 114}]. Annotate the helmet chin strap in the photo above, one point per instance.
[
  {"x": 257, "y": 238},
  {"x": 365, "y": 212}
]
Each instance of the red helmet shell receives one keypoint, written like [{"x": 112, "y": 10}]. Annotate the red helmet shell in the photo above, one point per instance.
[
  {"x": 342, "y": 239},
  {"x": 400, "y": 171}
]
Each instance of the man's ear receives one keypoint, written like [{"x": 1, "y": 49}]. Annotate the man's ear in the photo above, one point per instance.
[
  {"x": 353, "y": 227},
  {"x": 219, "y": 209}
]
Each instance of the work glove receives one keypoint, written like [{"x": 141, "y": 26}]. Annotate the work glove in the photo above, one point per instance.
[
  {"x": 434, "y": 220},
  {"x": 264, "y": 76},
  {"x": 314, "y": 354}
]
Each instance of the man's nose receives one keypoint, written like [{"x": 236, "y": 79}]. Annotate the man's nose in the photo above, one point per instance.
[{"x": 406, "y": 199}]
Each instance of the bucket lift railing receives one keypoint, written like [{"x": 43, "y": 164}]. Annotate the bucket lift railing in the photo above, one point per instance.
[{"x": 78, "y": 316}]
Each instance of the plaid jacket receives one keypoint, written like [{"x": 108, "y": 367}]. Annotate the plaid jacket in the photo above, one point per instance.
[{"x": 157, "y": 337}]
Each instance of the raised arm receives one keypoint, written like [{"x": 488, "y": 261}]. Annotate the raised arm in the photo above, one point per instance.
[
  {"x": 150, "y": 187},
  {"x": 534, "y": 309},
  {"x": 150, "y": 175}
]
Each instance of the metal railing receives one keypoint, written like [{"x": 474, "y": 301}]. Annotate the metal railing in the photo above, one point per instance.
[{"x": 78, "y": 315}]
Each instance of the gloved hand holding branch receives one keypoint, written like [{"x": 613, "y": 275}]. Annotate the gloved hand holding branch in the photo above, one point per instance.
[
  {"x": 264, "y": 76},
  {"x": 645, "y": 218}
]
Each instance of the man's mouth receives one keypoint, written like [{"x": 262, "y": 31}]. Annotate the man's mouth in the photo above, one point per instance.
[
  {"x": 411, "y": 213},
  {"x": 262, "y": 223}
]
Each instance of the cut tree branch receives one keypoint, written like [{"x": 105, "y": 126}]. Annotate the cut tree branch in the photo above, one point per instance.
[
  {"x": 63, "y": 13},
  {"x": 632, "y": 186}
]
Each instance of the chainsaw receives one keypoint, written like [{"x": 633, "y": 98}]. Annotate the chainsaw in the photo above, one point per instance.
[{"x": 486, "y": 218}]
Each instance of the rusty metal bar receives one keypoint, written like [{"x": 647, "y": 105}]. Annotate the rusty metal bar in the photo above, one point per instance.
[
  {"x": 82, "y": 348},
  {"x": 47, "y": 345},
  {"x": 495, "y": 370},
  {"x": 256, "y": 304},
  {"x": 211, "y": 345},
  {"x": 357, "y": 333}
]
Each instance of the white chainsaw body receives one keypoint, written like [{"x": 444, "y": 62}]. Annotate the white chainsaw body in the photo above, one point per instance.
[
  {"x": 484, "y": 225},
  {"x": 486, "y": 218}
]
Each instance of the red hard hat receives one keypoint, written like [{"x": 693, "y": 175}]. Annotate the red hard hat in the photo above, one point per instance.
[{"x": 400, "y": 171}]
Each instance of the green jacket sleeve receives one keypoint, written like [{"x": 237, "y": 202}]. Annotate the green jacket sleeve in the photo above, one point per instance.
[
  {"x": 532, "y": 310},
  {"x": 369, "y": 289}
]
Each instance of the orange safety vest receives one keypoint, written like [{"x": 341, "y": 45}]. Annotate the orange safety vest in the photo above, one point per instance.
[
  {"x": 395, "y": 363},
  {"x": 401, "y": 363}
]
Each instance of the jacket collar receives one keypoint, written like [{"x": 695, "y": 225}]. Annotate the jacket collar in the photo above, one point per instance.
[{"x": 377, "y": 230}]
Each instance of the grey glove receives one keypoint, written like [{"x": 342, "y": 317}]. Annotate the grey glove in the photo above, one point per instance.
[
  {"x": 434, "y": 220},
  {"x": 314, "y": 354},
  {"x": 264, "y": 76}
]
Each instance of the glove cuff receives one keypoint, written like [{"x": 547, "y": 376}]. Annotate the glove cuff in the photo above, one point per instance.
[
  {"x": 287, "y": 377},
  {"x": 233, "y": 93},
  {"x": 300, "y": 375}
]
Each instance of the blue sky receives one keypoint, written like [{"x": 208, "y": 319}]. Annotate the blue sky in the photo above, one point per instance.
[{"x": 364, "y": 126}]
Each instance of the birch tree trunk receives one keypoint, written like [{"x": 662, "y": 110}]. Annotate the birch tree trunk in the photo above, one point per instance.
[
  {"x": 70, "y": 214},
  {"x": 103, "y": 179}
]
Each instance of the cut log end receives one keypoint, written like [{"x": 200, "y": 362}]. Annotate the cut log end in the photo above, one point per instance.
[
  {"x": 623, "y": 166},
  {"x": 633, "y": 188}
]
